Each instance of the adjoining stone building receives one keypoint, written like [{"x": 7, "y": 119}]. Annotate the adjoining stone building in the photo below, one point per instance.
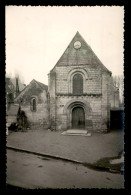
[
  {"x": 33, "y": 100},
  {"x": 81, "y": 91}
]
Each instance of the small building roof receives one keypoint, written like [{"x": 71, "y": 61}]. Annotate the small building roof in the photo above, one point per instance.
[
  {"x": 13, "y": 110},
  {"x": 41, "y": 85}
]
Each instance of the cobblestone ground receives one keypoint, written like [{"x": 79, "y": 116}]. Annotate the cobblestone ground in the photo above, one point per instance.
[{"x": 80, "y": 148}]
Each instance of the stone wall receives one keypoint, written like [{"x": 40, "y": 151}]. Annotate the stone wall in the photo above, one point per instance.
[
  {"x": 11, "y": 119},
  {"x": 91, "y": 104},
  {"x": 52, "y": 99},
  {"x": 40, "y": 117},
  {"x": 92, "y": 79},
  {"x": 95, "y": 93},
  {"x": 105, "y": 104}
]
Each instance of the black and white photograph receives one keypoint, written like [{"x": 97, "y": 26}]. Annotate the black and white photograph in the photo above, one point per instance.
[{"x": 64, "y": 97}]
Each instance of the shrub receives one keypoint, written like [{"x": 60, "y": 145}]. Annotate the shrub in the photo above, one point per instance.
[
  {"x": 22, "y": 120},
  {"x": 13, "y": 126}
]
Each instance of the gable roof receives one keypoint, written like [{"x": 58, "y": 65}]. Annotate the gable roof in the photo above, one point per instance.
[
  {"x": 82, "y": 56},
  {"x": 41, "y": 85}
]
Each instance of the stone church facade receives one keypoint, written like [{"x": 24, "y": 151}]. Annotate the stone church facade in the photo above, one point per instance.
[
  {"x": 81, "y": 90},
  {"x": 79, "y": 95}
]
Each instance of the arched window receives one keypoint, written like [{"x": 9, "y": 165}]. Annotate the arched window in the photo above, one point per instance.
[
  {"x": 77, "y": 84},
  {"x": 33, "y": 104}
]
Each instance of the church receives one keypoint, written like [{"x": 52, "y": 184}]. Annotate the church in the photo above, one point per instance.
[{"x": 80, "y": 92}]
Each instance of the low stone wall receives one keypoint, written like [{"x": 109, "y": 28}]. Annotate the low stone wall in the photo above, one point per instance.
[{"x": 38, "y": 126}]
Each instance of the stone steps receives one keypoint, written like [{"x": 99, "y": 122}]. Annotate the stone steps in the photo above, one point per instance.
[{"x": 76, "y": 132}]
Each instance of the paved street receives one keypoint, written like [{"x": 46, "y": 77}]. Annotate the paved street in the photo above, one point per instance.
[{"x": 31, "y": 171}]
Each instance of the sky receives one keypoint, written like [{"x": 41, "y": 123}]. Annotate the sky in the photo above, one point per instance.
[{"x": 37, "y": 36}]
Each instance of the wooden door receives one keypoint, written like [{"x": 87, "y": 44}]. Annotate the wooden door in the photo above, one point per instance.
[{"x": 78, "y": 118}]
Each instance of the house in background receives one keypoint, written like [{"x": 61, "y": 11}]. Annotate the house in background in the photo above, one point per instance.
[
  {"x": 13, "y": 88},
  {"x": 33, "y": 100},
  {"x": 10, "y": 91}
]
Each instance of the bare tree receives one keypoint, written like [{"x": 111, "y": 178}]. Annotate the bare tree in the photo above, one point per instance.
[
  {"x": 119, "y": 82},
  {"x": 18, "y": 82},
  {"x": 8, "y": 75},
  {"x": 19, "y": 76}
]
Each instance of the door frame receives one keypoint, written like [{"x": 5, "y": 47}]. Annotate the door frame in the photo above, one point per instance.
[
  {"x": 78, "y": 106},
  {"x": 67, "y": 110}
]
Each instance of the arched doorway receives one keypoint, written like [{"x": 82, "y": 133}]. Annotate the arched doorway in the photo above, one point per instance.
[{"x": 78, "y": 118}]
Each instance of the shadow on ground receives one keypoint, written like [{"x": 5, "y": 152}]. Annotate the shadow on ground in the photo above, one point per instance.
[{"x": 105, "y": 165}]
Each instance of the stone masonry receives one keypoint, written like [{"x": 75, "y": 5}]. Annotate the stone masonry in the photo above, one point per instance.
[
  {"x": 80, "y": 92},
  {"x": 39, "y": 117},
  {"x": 96, "y": 98}
]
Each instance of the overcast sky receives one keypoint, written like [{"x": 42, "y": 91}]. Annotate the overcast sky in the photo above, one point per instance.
[{"x": 36, "y": 37}]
